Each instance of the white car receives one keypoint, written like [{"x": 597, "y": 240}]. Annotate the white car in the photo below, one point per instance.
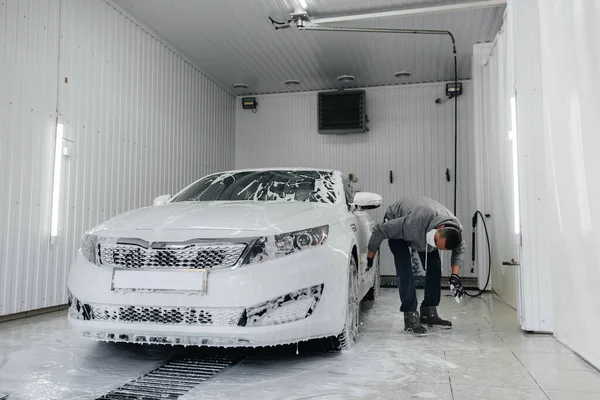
[{"x": 240, "y": 258}]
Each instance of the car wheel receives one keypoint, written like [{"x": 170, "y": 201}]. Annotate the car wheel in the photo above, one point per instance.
[{"x": 347, "y": 339}]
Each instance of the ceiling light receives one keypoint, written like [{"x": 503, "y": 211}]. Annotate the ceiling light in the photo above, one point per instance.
[
  {"x": 240, "y": 86},
  {"x": 402, "y": 74},
  {"x": 292, "y": 82},
  {"x": 345, "y": 78},
  {"x": 303, "y": 4}
]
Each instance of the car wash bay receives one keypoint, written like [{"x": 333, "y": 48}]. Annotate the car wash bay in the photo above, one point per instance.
[{"x": 148, "y": 98}]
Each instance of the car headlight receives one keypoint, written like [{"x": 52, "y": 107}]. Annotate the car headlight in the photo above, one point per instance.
[
  {"x": 89, "y": 247},
  {"x": 272, "y": 247}
]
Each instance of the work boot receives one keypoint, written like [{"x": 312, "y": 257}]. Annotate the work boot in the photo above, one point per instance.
[
  {"x": 412, "y": 324},
  {"x": 430, "y": 317}
]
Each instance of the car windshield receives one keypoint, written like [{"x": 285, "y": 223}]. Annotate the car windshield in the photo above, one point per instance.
[{"x": 305, "y": 186}]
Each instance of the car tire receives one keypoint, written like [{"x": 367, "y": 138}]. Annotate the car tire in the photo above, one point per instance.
[
  {"x": 347, "y": 338},
  {"x": 373, "y": 293}
]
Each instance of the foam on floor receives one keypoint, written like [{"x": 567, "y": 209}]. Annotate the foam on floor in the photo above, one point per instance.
[{"x": 41, "y": 358}]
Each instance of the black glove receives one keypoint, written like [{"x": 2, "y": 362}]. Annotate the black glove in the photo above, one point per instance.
[
  {"x": 369, "y": 263},
  {"x": 456, "y": 288}
]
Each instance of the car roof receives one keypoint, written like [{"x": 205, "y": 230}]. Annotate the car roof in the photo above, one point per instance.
[{"x": 276, "y": 169}]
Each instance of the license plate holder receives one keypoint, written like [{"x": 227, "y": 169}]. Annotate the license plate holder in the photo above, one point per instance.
[{"x": 183, "y": 280}]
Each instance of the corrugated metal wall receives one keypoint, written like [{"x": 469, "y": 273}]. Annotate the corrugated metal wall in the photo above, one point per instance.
[
  {"x": 409, "y": 134},
  {"x": 29, "y": 40},
  {"x": 141, "y": 121}
]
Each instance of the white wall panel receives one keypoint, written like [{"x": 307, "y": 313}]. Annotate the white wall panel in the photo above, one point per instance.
[
  {"x": 538, "y": 225},
  {"x": 409, "y": 134},
  {"x": 514, "y": 69},
  {"x": 141, "y": 121},
  {"x": 496, "y": 88},
  {"x": 570, "y": 59}
]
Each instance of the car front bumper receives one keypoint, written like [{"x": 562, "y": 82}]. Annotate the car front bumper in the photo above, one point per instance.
[{"x": 295, "y": 298}]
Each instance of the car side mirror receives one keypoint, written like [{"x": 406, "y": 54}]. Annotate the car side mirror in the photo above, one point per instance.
[
  {"x": 160, "y": 200},
  {"x": 366, "y": 201}
]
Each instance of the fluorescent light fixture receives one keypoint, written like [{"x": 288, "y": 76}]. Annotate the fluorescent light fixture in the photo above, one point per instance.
[
  {"x": 471, "y": 5},
  {"x": 303, "y": 4},
  {"x": 515, "y": 155},
  {"x": 56, "y": 183}
]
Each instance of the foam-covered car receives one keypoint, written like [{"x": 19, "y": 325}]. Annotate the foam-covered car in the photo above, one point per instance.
[{"x": 238, "y": 258}]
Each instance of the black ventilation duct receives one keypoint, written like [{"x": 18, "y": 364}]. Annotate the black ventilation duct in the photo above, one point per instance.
[{"x": 342, "y": 112}]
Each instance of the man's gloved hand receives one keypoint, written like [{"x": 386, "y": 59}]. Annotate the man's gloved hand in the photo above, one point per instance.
[
  {"x": 456, "y": 288},
  {"x": 369, "y": 263},
  {"x": 370, "y": 257}
]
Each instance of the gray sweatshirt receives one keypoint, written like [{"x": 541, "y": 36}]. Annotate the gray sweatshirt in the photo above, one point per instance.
[{"x": 410, "y": 219}]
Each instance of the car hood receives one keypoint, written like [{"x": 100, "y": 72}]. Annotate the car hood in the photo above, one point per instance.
[{"x": 264, "y": 217}]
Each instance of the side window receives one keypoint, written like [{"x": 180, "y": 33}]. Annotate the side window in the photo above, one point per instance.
[{"x": 349, "y": 192}]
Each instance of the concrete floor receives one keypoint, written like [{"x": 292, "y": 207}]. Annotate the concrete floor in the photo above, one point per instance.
[{"x": 485, "y": 356}]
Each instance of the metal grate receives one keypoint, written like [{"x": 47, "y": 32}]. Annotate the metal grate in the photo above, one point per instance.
[
  {"x": 175, "y": 378},
  {"x": 203, "y": 256}
]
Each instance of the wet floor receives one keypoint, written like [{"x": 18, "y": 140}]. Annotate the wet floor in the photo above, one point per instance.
[{"x": 484, "y": 356}]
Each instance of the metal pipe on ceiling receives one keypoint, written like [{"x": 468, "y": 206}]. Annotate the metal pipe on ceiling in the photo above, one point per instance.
[{"x": 311, "y": 27}]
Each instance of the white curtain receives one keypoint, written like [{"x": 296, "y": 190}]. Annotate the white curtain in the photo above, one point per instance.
[{"x": 570, "y": 49}]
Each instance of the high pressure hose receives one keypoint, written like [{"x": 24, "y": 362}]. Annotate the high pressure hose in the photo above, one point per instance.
[
  {"x": 487, "y": 237},
  {"x": 301, "y": 26}
]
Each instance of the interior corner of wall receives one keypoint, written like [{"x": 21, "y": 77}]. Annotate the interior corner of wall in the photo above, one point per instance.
[{"x": 175, "y": 49}]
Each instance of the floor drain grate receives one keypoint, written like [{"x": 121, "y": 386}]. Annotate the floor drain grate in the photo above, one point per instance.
[{"x": 174, "y": 378}]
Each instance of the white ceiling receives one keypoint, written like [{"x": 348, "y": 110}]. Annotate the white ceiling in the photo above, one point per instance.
[{"x": 233, "y": 41}]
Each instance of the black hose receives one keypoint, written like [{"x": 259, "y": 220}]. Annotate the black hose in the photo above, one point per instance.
[
  {"x": 487, "y": 237},
  {"x": 277, "y": 22},
  {"x": 455, "y": 122},
  {"x": 410, "y": 32}
]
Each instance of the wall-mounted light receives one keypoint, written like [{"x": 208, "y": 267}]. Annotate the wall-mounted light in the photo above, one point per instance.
[
  {"x": 515, "y": 156},
  {"x": 249, "y": 103},
  {"x": 454, "y": 89},
  {"x": 58, "y": 153},
  {"x": 303, "y": 4}
]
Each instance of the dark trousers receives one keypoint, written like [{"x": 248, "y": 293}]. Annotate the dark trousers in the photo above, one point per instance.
[{"x": 405, "y": 277}]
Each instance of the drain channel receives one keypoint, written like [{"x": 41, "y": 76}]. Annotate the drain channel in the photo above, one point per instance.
[{"x": 174, "y": 378}]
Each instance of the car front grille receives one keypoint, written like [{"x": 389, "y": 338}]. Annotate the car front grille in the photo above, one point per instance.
[
  {"x": 154, "y": 314},
  {"x": 161, "y": 315},
  {"x": 196, "y": 256},
  {"x": 287, "y": 308}
]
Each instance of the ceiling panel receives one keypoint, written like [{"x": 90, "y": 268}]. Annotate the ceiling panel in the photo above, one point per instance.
[{"x": 233, "y": 41}]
